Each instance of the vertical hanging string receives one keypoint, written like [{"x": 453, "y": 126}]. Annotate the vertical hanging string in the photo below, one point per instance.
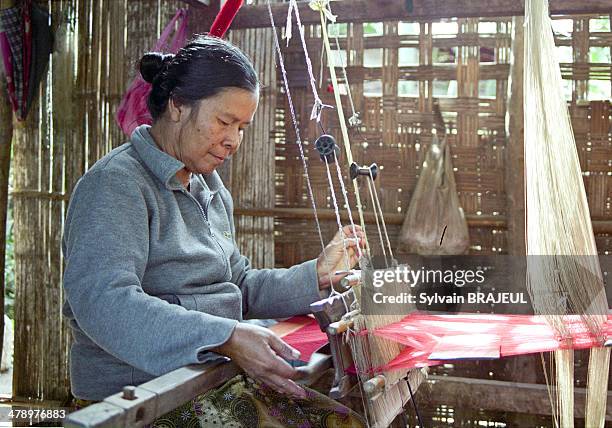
[
  {"x": 382, "y": 217},
  {"x": 382, "y": 242},
  {"x": 297, "y": 133},
  {"x": 337, "y": 212},
  {"x": 322, "y": 8},
  {"x": 350, "y": 335},
  {"x": 553, "y": 407},
  {"x": 318, "y": 106},
  {"x": 346, "y": 202},
  {"x": 354, "y": 119},
  {"x": 316, "y": 115}
]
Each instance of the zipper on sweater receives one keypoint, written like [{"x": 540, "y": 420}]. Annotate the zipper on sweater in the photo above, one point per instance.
[
  {"x": 205, "y": 186},
  {"x": 190, "y": 196}
]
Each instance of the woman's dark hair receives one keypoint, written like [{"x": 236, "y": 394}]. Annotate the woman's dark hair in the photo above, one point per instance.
[{"x": 200, "y": 69}]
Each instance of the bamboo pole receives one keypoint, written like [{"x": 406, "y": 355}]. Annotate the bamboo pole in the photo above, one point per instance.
[
  {"x": 64, "y": 145},
  {"x": 30, "y": 282},
  {"x": 6, "y": 137}
]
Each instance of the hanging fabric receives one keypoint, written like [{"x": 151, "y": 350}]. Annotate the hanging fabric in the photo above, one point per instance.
[
  {"x": 132, "y": 110},
  {"x": 42, "y": 47},
  {"x": 435, "y": 222},
  {"x": 25, "y": 45}
]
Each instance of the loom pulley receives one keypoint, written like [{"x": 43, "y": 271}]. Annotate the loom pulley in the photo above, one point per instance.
[
  {"x": 368, "y": 171},
  {"x": 327, "y": 148}
]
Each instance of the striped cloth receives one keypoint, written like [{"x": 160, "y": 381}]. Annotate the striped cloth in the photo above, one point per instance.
[{"x": 11, "y": 25}]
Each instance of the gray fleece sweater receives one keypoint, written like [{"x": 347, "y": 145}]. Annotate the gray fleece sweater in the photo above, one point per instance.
[{"x": 135, "y": 240}]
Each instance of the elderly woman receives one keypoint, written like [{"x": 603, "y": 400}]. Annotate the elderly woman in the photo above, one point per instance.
[{"x": 153, "y": 278}]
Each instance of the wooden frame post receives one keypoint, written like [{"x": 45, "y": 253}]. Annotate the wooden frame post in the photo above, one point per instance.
[{"x": 515, "y": 165}]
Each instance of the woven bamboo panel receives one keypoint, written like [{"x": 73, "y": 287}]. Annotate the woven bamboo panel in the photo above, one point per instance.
[
  {"x": 251, "y": 179},
  {"x": 396, "y": 70}
]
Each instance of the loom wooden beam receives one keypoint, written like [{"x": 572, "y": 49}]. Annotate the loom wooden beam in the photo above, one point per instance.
[
  {"x": 154, "y": 398},
  {"x": 140, "y": 405},
  {"x": 599, "y": 226},
  {"x": 253, "y": 16},
  {"x": 328, "y": 214},
  {"x": 493, "y": 395},
  {"x": 515, "y": 162}
]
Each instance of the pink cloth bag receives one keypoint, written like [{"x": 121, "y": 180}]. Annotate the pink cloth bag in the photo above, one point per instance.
[{"x": 132, "y": 110}]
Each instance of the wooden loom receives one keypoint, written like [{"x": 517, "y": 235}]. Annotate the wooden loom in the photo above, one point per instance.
[
  {"x": 355, "y": 355},
  {"x": 341, "y": 316},
  {"x": 550, "y": 149}
]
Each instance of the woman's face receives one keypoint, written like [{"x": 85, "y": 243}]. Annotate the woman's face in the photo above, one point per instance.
[{"x": 213, "y": 130}]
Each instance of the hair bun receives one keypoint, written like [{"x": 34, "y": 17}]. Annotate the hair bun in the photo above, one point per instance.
[{"x": 151, "y": 64}]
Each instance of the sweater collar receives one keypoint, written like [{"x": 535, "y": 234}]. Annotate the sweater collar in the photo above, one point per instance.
[{"x": 165, "y": 167}]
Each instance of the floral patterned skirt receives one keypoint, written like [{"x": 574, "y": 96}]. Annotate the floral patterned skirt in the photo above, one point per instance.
[{"x": 243, "y": 403}]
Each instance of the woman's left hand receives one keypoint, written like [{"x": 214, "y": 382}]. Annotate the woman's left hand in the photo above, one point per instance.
[{"x": 336, "y": 258}]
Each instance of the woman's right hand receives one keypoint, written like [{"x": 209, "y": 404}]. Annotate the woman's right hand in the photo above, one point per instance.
[{"x": 260, "y": 352}]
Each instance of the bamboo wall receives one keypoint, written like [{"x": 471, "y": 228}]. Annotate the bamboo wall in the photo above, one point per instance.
[
  {"x": 252, "y": 176},
  {"x": 72, "y": 125},
  {"x": 395, "y": 71}
]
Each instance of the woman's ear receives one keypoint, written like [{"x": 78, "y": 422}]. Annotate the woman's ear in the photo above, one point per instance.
[{"x": 177, "y": 112}]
